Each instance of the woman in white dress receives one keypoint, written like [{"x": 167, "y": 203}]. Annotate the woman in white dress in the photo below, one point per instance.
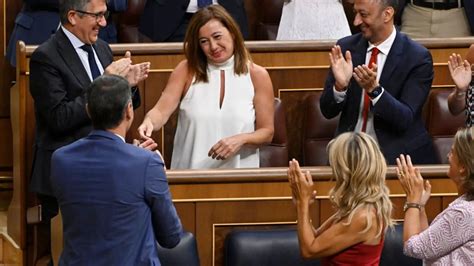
[
  {"x": 225, "y": 101},
  {"x": 313, "y": 20}
]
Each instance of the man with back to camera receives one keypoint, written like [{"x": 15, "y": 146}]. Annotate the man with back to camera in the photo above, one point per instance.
[
  {"x": 60, "y": 71},
  {"x": 114, "y": 197},
  {"x": 383, "y": 95}
]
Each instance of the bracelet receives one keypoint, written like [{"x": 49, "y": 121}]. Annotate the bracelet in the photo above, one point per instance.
[{"x": 412, "y": 205}]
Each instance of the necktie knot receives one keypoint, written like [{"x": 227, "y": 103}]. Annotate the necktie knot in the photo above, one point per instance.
[
  {"x": 375, "y": 50},
  {"x": 91, "y": 58},
  {"x": 87, "y": 48},
  {"x": 373, "y": 56}
]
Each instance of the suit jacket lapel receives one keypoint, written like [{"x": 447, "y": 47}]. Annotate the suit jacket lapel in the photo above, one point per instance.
[
  {"x": 393, "y": 59},
  {"x": 69, "y": 55},
  {"x": 99, "y": 50}
]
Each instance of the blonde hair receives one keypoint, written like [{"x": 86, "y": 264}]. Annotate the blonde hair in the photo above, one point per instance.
[
  {"x": 197, "y": 61},
  {"x": 359, "y": 168},
  {"x": 464, "y": 149}
]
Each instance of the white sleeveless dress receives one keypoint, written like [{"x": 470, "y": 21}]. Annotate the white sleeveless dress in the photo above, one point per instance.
[
  {"x": 313, "y": 20},
  {"x": 202, "y": 123}
]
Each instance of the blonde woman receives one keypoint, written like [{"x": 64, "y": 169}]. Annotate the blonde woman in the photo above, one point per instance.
[
  {"x": 355, "y": 233},
  {"x": 449, "y": 239}
]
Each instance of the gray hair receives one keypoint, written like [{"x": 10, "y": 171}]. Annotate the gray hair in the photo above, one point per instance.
[{"x": 66, "y": 5}]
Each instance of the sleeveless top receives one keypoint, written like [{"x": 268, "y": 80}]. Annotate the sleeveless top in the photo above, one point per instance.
[
  {"x": 359, "y": 254},
  {"x": 202, "y": 122},
  {"x": 313, "y": 20}
]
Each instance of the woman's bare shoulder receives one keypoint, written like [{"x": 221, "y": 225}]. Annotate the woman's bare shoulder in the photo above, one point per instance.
[{"x": 257, "y": 70}]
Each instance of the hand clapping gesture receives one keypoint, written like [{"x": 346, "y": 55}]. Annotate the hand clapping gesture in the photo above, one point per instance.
[
  {"x": 366, "y": 77},
  {"x": 124, "y": 67},
  {"x": 341, "y": 67},
  {"x": 301, "y": 184},
  {"x": 411, "y": 180},
  {"x": 460, "y": 72}
]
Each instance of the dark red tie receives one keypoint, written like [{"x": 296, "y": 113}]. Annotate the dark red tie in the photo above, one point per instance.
[{"x": 365, "y": 111}]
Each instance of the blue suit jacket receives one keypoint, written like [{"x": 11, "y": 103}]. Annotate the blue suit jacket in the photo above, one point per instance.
[
  {"x": 114, "y": 200},
  {"x": 406, "y": 77},
  {"x": 39, "y": 19}
]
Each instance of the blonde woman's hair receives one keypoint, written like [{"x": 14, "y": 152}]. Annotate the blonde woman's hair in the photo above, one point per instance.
[
  {"x": 464, "y": 149},
  {"x": 197, "y": 61},
  {"x": 359, "y": 168}
]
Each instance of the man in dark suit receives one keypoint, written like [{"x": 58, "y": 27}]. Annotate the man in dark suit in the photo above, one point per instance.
[
  {"x": 114, "y": 197},
  {"x": 386, "y": 99},
  {"x": 39, "y": 19},
  {"x": 167, "y": 20},
  {"x": 60, "y": 71}
]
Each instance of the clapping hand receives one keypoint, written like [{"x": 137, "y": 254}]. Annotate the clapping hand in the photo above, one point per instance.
[
  {"x": 341, "y": 67},
  {"x": 119, "y": 67},
  {"x": 460, "y": 72},
  {"x": 301, "y": 184},
  {"x": 138, "y": 72},
  {"x": 366, "y": 77},
  {"x": 411, "y": 180},
  {"x": 124, "y": 67}
]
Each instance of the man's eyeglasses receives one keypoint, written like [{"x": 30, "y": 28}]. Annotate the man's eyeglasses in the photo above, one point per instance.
[{"x": 98, "y": 16}]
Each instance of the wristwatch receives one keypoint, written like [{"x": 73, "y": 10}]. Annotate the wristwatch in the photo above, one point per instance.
[
  {"x": 412, "y": 205},
  {"x": 376, "y": 92}
]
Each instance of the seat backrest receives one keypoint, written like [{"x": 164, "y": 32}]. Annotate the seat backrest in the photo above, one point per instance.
[
  {"x": 317, "y": 132},
  {"x": 441, "y": 124},
  {"x": 127, "y": 26},
  {"x": 275, "y": 153},
  {"x": 268, "y": 19},
  {"x": 392, "y": 253},
  {"x": 185, "y": 253},
  {"x": 281, "y": 247},
  {"x": 264, "y": 248}
]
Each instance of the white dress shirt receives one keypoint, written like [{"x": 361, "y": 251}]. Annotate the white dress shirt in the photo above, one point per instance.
[{"x": 77, "y": 44}]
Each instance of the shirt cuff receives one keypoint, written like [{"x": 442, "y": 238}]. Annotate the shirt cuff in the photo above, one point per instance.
[
  {"x": 339, "y": 96},
  {"x": 376, "y": 99}
]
